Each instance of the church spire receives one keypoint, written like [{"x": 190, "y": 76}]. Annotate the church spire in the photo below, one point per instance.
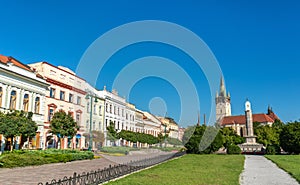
[{"x": 222, "y": 87}]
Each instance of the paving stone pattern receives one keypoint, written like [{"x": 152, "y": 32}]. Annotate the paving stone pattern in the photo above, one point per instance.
[{"x": 45, "y": 173}]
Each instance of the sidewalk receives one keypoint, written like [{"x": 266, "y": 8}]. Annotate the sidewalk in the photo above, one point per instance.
[
  {"x": 32, "y": 175},
  {"x": 261, "y": 171}
]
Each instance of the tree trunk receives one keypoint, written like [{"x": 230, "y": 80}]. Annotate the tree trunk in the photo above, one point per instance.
[{"x": 11, "y": 143}]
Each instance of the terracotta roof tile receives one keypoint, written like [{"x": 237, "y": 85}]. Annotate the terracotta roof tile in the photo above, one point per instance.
[
  {"x": 5, "y": 60},
  {"x": 241, "y": 119}
]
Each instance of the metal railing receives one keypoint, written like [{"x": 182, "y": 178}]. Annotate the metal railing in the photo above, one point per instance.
[{"x": 112, "y": 172}]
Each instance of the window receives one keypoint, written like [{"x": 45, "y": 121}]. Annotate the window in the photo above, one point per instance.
[
  {"x": 126, "y": 116},
  {"x": 94, "y": 110},
  {"x": 51, "y": 113},
  {"x": 105, "y": 125},
  {"x": 77, "y": 118},
  {"x": 71, "y": 98},
  {"x": 25, "y": 102},
  {"x": 52, "y": 72},
  {"x": 106, "y": 107},
  {"x": 62, "y": 76},
  {"x": 115, "y": 110},
  {"x": 87, "y": 125},
  {"x": 88, "y": 107},
  {"x": 78, "y": 100},
  {"x": 122, "y": 112},
  {"x": 100, "y": 127},
  {"x": 13, "y": 99},
  {"x": 37, "y": 105},
  {"x": 100, "y": 107},
  {"x": 52, "y": 92},
  {"x": 118, "y": 111},
  {"x": 94, "y": 125},
  {"x": 110, "y": 108},
  {"x": 1, "y": 93},
  {"x": 62, "y": 95}
]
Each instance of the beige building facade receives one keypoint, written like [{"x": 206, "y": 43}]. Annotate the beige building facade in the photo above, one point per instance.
[{"x": 66, "y": 92}]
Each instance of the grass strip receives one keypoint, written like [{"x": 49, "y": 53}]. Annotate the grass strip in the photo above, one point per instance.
[{"x": 190, "y": 169}]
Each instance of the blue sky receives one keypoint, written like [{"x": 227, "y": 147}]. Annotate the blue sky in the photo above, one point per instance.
[{"x": 256, "y": 44}]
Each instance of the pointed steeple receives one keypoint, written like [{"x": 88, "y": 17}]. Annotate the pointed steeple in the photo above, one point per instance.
[
  {"x": 222, "y": 87},
  {"x": 198, "y": 123}
]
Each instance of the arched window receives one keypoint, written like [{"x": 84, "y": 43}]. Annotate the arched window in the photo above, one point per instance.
[
  {"x": 88, "y": 107},
  {"x": 1, "y": 93},
  {"x": 13, "y": 100},
  {"x": 37, "y": 105},
  {"x": 100, "y": 109},
  {"x": 25, "y": 102}
]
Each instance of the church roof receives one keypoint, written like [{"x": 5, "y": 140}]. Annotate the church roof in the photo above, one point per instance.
[{"x": 241, "y": 119}]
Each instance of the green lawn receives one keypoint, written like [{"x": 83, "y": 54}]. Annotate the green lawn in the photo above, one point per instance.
[
  {"x": 190, "y": 169},
  {"x": 290, "y": 163}
]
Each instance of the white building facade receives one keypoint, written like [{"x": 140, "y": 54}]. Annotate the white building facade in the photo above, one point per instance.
[
  {"x": 94, "y": 111},
  {"x": 22, "y": 89}
]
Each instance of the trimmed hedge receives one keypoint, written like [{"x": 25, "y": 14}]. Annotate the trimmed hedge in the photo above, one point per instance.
[
  {"x": 233, "y": 149},
  {"x": 21, "y": 158},
  {"x": 117, "y": 149},
  {"x": 273, "y": 149}
]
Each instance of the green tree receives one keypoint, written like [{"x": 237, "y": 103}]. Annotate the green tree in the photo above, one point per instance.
[
  {"x": 17, "y": 123},
  {"x": 267, "y": 135},
  {"x": 230, "y": 137},
  {"x": 112, "y": 134},
  {"x": 138, "y": 137},
  {"x": 174, "y": 141},
  {"x": 213, "y": 140},
  {"x": 290, "y": 137},
  {"x": 188, "y": 134},
  {"x": 63, "y": 125}
]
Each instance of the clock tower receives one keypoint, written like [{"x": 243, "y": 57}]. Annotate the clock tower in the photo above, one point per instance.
[{"x": 223, "y": 106}]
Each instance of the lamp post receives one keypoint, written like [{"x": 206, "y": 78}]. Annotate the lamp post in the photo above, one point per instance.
[
  {"x": 89, "y": 96},
  {"x": 165, "y": 136}
]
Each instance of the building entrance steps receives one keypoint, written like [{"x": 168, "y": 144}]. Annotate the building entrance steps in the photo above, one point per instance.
[{"x": 260, "y": 171}]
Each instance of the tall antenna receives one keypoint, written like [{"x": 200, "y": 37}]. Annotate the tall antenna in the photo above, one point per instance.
[{"x": 204, "y": 116}]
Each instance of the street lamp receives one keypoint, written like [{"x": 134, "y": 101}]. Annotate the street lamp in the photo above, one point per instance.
[
  {"x": 165, "y": 136},
  {"x": 89, "y": 96}
]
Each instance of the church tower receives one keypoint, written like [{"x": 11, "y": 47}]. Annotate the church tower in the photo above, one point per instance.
[{"x": 223, "y": 106}]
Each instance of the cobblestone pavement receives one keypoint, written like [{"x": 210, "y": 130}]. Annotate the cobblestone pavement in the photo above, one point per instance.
[
  {"x": 45, "y": 173},
  {"x": 260, "y": 171}
]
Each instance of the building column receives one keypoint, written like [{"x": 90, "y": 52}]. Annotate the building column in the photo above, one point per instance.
[
  {"x": 18, "y": 100},
  {"x": 30, "y": 107},
  {"x": 7, "y": 96}
]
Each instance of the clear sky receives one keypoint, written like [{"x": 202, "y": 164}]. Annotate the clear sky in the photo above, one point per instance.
[{"x": 255, "y": 42}]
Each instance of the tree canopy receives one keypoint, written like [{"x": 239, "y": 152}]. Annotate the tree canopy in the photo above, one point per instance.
[
  {"x": 213, "y": 140},
  {"x": 17, "y": 123},
  {"x": 63, "y": 124},
  {"x": 230, "y": 137},
  {"x": 290, "y": 137},
  {"x": 112, "y": 134},
  {"x": 138, "y": 137}
]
